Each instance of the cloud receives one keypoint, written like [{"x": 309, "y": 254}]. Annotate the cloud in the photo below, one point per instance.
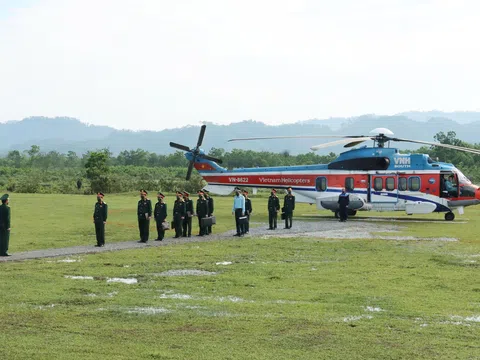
[{"x": 156, "y": 64}]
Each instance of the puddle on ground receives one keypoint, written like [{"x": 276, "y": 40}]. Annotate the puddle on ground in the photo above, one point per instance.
[
  {"x": 122, "y": 280},
  {"x": 224, "y": 263},
  {"x": 79, "y": 277},
  {"x": 185, "y": 272},
  {"x": 148, "y": 310},
  {"x": 373, "y": 309}
]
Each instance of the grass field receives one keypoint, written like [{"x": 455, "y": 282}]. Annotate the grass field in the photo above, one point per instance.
[{"x": 252, "y": 298}]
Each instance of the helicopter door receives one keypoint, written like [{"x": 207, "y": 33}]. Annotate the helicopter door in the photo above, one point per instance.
[
  {"x": 448, "y": 184},
  {"x": 383, "y": 188}
]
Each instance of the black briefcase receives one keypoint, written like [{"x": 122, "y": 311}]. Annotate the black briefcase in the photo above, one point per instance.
[
  {"x": 282, "y": 216},
  {"x": 243, "y": 220},
  {"x": 208, "y": 221}
]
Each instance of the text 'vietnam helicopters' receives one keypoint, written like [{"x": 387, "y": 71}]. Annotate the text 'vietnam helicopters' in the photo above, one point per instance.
[{"x": 377, "y": 178}]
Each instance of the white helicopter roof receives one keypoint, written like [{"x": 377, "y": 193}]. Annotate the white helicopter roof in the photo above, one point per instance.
[{"x": 379, "y": 131}]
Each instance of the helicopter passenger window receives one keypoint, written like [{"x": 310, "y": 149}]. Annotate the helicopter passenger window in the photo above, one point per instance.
[
  {"x": 349, "y": 184},
  {"x": 321, "y": 183},
  {"x": 414, "y": 183},
  {"x": 402, "y": 184},
  {"x": 378, "y": 184},
  {"x": 390, "y": 184}
]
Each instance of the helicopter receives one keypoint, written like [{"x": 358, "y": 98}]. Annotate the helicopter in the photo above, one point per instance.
[{"x": 378, "y": 178}]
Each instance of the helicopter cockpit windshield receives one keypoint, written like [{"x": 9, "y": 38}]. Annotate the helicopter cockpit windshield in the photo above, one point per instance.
[{"x": 462, "y": 179}]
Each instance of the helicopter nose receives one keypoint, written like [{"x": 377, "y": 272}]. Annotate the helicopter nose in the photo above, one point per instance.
[{"x": 477, "y": 193}]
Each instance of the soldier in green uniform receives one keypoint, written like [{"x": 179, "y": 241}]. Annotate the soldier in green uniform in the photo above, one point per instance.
[
  {"x": 179, "y": 213},
  {"x": 187, "y": 222},
  {"x": 160, "y": 215},
  {"x": 202, "y": 212},
  {"x": 273, "y": 208},
  {"x": 248, "y": 211},
  {"x": 288, "y": 207},
  {"x": 100, "y": 214},
  {"x": 4, "y": 226},
  {"x": 144, "y": 214},
  {"x": 210, "y": 209}
]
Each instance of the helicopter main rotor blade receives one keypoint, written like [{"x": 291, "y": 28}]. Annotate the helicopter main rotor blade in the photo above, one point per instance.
[
  {"x": 201, "y": 135},
  {"x": 347, "y": 141},
  {"x": 178, "y": 146},
  {"x": 211, "y": 158},
  {"x": 298, "y": 137},
  {"x": 189, "y": 171},
  {"x": 453, "y": 147}
]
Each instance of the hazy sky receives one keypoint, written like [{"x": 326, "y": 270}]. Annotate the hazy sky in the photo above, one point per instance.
[{"x": 154, "y": 64}]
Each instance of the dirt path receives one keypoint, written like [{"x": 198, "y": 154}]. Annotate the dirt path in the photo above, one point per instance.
[{"x": 323, "y": 229}]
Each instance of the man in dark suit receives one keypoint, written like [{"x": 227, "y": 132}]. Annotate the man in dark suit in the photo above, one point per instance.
[
  {"x": 288, "y": 207},
  {"x": 187, "y": 222},
  {"x": 160, "y": 215},
  {"x": 210, "y": 208},
  {"x": 4, "y": 226},
  {"x": 273, "y": 208},
  {"x": 343, "y": 201},
  {"x": 100, "y": 214},
  {"x": 248, "y": 211},
  {"x": 202, "y": 212},
  {"x": 144, "y": 214}
]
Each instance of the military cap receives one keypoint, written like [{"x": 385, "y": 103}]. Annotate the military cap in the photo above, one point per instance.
[
  {"x": 144, "y": 191},
  {"x": 200, "y": 191},
  {"x": 161, "y": 195},
  {"x": 206, "y": 191},
  {"x": 4, "y": 197},
  {"x": 289, "y": 188},
  {"x": 186, "y": 193},
  {"x": 179, "y": 193},
  {"x": 274, "y": 191},
  {"x": 100, "y": 194},
  {"x": 245, "y": 191}
]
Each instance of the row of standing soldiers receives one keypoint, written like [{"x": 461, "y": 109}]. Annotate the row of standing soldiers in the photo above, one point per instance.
[{"x": 183, "y": 211}]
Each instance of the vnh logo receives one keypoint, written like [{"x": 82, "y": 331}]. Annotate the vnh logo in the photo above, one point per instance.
[{"x": 403, "y": 161}]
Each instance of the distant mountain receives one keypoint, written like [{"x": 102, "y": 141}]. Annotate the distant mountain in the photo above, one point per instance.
[{"x": 64, "y": 134}]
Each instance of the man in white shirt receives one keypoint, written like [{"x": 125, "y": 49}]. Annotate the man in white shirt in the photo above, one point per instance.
[{"x": 238, "y": 210}]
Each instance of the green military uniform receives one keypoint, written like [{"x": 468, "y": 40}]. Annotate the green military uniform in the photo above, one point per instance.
[
  {"x": 288, "y": 207},
  {"x": 160, "y": 214},
  {"x": 187, "y": 222},
  {"x": 144, "y": 213},
  {"x": 202, "y": 212},
  {"x": 211, "y": 208},
  {"x": 273, "y": 207},
  {"x": 100, "y": 214},
  {"x": 179, "y": 212},
  {"x": 4, "y": 226}
]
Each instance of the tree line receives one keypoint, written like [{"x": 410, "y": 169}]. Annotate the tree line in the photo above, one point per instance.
[{"x": 34, "y": 171}]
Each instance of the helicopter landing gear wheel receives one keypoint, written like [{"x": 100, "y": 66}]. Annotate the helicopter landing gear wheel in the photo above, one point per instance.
[
  {"x": 337, "y": 214},
  {"x": 449, "y": 216},
  {"x": 352, "y": 212}
]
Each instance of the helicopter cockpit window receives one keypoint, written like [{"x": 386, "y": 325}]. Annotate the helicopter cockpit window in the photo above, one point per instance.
[
  {"x": 402, "y": 184},
  {"x": 349, "y": 184},
  {"x": 414, "y": 183},
  {"x": 378, "y": 184},
  {"x": 321, "y": 183},
  {"x": 390, "y": 184}
]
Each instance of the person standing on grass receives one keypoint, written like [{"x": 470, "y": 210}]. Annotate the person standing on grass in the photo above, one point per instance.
[
  {"x": 179, "y": 213},
  {"x": 210, "y": 208},
  {"x": 187, "y": 222},
  {"x": 100, "y": 214},
  {"x": 160, "y": 215},
  {"x": 238, "y": 210},
  {"x": 288, "y": 207},
  {"x": 4, "y": 225},
  {"x": 248, "y": 210},
  {"x": 343, "y": 201},
  {"x": 273, "y": 208},
  {"x": 144, "y": 214},
  {"x": 202, "y": 212}
]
